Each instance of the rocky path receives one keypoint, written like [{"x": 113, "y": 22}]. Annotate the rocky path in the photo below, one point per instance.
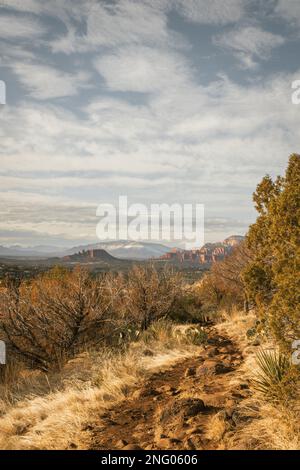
[{"x": 193, "y": 405}]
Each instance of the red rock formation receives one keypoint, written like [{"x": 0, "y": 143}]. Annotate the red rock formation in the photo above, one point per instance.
[{"x": 208, "y": 254}]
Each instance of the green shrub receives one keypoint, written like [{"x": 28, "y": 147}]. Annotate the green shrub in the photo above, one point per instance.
[
  {"x": 276, "y": 379},
  {"x": 272, "y": 277}
]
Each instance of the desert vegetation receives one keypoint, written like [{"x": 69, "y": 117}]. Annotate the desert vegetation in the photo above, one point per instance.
[
  {"x": 46, "y": 321},
  {"x": 272, "y": 278},
  {"x": 78, "y": 344},
  {"x": 263, "y": 275},
  {"x": 224, "y": 286}
]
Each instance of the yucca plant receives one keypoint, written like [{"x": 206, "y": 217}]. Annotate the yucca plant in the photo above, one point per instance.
[
  {"x": 196, "y": 336},
  {"x": 275, "y": 379}
]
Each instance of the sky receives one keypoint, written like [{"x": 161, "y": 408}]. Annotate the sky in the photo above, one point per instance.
[{"x": 164, "y": 101}]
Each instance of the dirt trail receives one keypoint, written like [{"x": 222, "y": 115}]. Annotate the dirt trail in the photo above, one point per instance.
[{"x": 192, "y": 405}]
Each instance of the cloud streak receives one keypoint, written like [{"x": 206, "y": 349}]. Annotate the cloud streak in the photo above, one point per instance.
[
  {"x": 161, "y": 100},
  {"x": 43, "y": 82},
  {"x": 212, "y": 12},
  {"x": 250, "y": 44},
  {"x": 13, "y": 27}
]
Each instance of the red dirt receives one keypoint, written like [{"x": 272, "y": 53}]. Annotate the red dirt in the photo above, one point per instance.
[{"x": 168, "y": 411}]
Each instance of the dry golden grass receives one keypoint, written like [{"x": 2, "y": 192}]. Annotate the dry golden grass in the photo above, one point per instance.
[
  {"x": 54, "y": 411},
  {"x": 271, "y": 426}
]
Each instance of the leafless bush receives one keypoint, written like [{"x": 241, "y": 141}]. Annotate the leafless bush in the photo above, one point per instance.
[
  {"x": 46, "y": 320},
  {"x": 151, "y": 294},
  {"x": 49, "y": 319},
  {"x": 224, "y": 285}
]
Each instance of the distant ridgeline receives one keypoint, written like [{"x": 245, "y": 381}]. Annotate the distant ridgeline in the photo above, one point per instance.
[
  {"x": 90, "y": 255},
  {"x": 208, "y": 254}
]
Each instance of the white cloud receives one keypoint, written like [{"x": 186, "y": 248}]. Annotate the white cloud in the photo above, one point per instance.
[
  {"x": 44, "y": 82},
  {"x": 142, "y": 69},
  {"x": 107, "y": 20},
  {"x": 127, "y": 22},
  {"x": 31, "y": 6},
  {"x": 250, "y": 44},
  {"x": 63, "y": 10},
  {"x": 12, "y": 53},
  {"x": 206, "y": 145},
  {"x": 174, "y": 135},
  {"x": 212, "y": 11},
  {"x": 124, "y": 23},
  {"x": 289, "y": 10},
  {"x": 15, "y": 27},
  {"x": 181, "y": 141}
]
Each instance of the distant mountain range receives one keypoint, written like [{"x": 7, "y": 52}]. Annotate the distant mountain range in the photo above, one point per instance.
[
  {"x": 126, "y": 249},
  {"x": 118, "y": 249},
  {"x": 40, "y": 251},
  {"x": 130, "y": 250}
]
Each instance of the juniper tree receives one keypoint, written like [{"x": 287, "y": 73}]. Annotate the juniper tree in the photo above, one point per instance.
[{"x": 272, "y": 278}]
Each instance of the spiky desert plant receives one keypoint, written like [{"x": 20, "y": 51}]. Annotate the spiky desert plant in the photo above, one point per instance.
[
  {"x": 196, "y": 336},
  {"x": 275, "y": 379}
]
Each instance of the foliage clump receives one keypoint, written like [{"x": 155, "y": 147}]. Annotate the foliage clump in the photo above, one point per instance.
[{"x": 272, "y": 277}]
